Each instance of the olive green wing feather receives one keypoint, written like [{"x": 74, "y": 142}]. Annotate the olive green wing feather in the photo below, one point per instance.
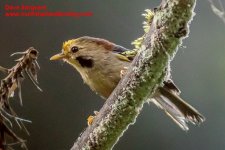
[{"x": 124, "y": 54}]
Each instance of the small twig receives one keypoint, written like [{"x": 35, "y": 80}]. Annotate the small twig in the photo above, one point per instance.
[
  {"x": 219, "y": 12},
  {"x": 27, "y": 64},
  {"x": 4, "y": 70}
]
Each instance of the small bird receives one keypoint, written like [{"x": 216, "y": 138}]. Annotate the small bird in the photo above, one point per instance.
[{"x": 101, "y": 64}]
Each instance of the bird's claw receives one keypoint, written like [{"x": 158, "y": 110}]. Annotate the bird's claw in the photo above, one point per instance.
[
  {"x": 91, "y": 118},
  {"x": 123, "y": 71}
]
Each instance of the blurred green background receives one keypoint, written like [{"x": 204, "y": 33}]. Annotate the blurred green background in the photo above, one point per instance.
[{"x": 59, "y": 113}]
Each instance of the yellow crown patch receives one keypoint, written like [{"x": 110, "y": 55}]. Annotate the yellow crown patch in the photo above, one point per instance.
[{"x": 66, "y": 44}]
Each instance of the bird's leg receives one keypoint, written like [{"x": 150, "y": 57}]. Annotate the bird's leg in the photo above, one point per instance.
[{"x": 91, "y": 118}]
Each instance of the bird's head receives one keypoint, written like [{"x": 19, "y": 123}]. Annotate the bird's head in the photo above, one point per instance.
[
  {"x": 98, "y": 61},
  {"x": 83, "y": 51}
]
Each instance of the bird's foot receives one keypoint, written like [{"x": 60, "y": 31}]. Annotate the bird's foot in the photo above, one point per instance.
[
  {"x": 91, "y": 118},
  {"x": 123, "y": 71}
]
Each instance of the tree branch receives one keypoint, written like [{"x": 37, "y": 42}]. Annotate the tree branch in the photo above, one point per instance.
[
  {"x": 26, "y": 64},
  {"x": 148, "y": 70}
]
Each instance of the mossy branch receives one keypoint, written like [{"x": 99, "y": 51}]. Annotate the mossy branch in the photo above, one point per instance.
[{"x": 148, "y": 70}]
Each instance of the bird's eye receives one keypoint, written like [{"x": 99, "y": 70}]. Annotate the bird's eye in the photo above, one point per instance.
[{"x": 74, "y": 49}]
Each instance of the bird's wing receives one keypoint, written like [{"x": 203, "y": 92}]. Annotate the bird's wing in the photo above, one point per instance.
[{"x": 124, "y": 54}]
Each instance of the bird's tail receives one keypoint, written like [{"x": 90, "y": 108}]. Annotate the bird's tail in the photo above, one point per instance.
[{"x": 176, "y": 108}]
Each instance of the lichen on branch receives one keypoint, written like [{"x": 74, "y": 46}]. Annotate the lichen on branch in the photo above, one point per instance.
[{"x": 148, "y": 70}]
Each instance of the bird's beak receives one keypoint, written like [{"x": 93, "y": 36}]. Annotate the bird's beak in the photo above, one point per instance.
[{"x": 58, "y": 56}]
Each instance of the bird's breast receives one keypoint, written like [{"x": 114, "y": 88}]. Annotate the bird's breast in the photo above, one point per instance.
[
  {"x": 104, "y": 73},
  {"x": 103, "y": 78},
  {"x": 101, "y": 82}
]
